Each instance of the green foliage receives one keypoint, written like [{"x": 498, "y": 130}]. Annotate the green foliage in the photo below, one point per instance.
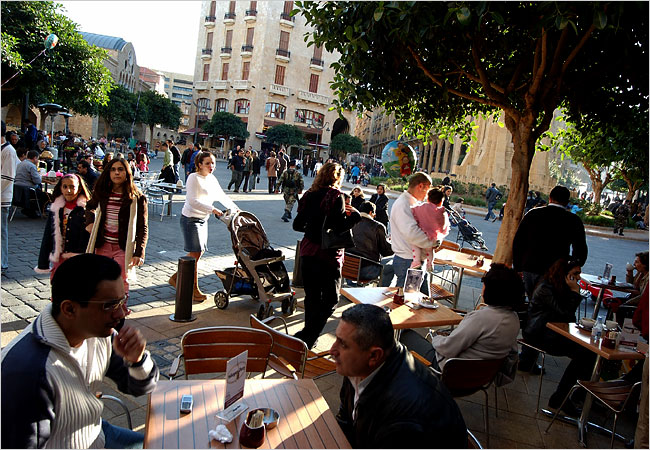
[
  {"x": 345, "y": 143},
  {"x": 158, "y": 109},
  {"x": 227, "y": 125},
  {"x": 72, "y": 74},
  {"x": 121, "y": 107},
  {"x": 286, "y": 135}
]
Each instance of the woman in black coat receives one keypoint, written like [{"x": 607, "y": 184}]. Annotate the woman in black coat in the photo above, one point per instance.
[
  {"x": 65, "y": 232},
  {"x": 556, "y": 299},
  {"x": 381, "y": 203},
  {"x": 321, "y": 268}
]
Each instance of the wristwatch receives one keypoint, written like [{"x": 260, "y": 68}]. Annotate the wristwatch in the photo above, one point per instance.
[{"x": 145, "y": 355}]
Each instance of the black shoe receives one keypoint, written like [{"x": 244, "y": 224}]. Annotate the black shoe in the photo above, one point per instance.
[
  {"x": 285, "y": 219},
  {"x": 237, "y": 190},
  {"x": 621, "y": 234},
  {"x": 568, "y": 408}
]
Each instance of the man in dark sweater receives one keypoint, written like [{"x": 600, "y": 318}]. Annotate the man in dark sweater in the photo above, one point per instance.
[{"x": 388, "y": 400}]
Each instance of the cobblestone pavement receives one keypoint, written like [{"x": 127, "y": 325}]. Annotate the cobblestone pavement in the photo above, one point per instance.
[{"x": 24, "y": 294}]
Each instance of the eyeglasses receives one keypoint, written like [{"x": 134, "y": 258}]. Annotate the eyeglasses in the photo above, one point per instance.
[{"x": 112, "y": 305}]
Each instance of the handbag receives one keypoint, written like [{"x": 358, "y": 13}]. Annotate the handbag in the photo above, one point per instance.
[{"x": 331, "y": 238}]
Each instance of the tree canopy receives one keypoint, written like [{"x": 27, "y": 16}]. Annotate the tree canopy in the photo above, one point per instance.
[
  {"x": 227, "y": 125},
  {"x": 72, "y": 74},
  {"x": 159, "y": 110},
  {"x": 345, "y": 143},
  {"x": 437, "y": 63},
  {"x": 121, "y": 106},
  {"x": 286, "y": 135}
]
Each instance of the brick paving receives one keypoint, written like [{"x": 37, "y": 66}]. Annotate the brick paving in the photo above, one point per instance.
[{"x": 25, "y": 293}]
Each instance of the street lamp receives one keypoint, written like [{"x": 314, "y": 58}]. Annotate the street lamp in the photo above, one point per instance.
[
  {"x": 313, "y": 125},
  {"x": 200, "y": 107}
]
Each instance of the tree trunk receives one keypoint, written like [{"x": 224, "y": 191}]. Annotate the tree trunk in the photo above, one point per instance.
[
  {"x": 631, "y": 186},
  {"x": 597, "y": 183},
  {"x": 522, "y": 157}
]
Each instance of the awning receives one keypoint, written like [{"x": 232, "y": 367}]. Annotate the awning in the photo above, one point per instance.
[
  {"x": 191, "y": 131},
  {"x": 260, "y": 135}
]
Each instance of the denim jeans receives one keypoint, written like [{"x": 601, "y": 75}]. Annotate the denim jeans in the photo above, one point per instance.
[
  {"x": 5, "y": 237},
  {"x": 398, "y": 269},
  {"x": 117, "y": 437},
  {"x": 490, "y": 214}
]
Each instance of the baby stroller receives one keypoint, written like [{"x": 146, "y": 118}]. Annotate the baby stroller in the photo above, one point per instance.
[
  {"x": 258, "y": 271},
  {"x": 466, "y": 232}
]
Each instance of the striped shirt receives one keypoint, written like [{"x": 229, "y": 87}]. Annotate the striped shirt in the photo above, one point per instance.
[{"x": 112, "y": 224}]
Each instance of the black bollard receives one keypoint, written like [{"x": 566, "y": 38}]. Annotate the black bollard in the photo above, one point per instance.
[
  {"x": 184, "y": 290},
  {"x": 297, "y": 270}
]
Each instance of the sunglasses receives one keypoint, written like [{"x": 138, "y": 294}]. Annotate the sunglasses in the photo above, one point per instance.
[{"x": 112, "y": 305}]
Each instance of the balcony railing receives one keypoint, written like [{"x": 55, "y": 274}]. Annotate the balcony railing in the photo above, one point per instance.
[
  {"x": 246, "y": 48},
  {"x": 283, "y": 52},
  {"x": 226, "y": 49},
  {"x": 279, "y": 89},
  {"x": 229, "y": 15},
  {"x": 210, "y": 18},
  {"x": 317, "y": 62},
  {"x": 206, "y": 51},
  {"x": 251, "y": 12},
  {"x": 286, "y": 16}
]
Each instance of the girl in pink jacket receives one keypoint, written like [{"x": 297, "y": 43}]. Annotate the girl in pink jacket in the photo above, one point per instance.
[{"x": 432, "y": 218}]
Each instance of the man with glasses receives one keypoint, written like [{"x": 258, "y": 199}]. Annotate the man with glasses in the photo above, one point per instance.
[{"x": 51, "y": 371}]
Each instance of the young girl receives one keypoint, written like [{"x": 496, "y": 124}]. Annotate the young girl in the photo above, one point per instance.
[
  {"x": 116, "y": 217},
  {"x": 65, "y": 231},
  {"x": 433, "y": 220}
]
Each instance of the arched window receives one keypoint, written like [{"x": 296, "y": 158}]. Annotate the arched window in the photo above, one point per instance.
[
  {"x": 309, "y": 117},
  {"x": 242, "y": 106},
  {"x": 221, "y": 105},
  {"x": 275, "y": 111}
]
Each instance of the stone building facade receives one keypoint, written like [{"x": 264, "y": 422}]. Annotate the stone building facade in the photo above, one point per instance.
[
  {"x": 483, "y": 161},
  {"x": 252, "y": 61}
]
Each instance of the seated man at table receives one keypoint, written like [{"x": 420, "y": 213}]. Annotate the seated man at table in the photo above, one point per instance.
[
  {"x": 88, "y": 173},
  {"x": 370, "y": 241},
  {"x": 489, "y": 332},
  {"x": 51, "y": 371},
  {"x": 27, "y": 176},
  {"x": 387, "y": 399}
]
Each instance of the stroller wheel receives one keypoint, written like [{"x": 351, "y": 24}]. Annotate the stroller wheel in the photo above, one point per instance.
[
  {"x": 221, "y": 300},
  {"x": 289, "y": 306},
  {"x": 261, "y": 313}
]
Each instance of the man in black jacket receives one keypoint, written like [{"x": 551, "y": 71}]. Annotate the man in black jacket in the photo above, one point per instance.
[
  {"x": 545, "y": 235},
  {"x": 387, "y": 399},
  {"x": 370, "y": 242}
]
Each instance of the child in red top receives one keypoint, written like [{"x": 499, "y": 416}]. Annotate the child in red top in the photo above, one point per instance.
[{"x": 433, "y": 220}]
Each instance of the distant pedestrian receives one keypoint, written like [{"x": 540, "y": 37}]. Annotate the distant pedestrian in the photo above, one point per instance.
[
  {"x": 492, "y": 195},
  {"x": 292, "y": 185},
  {"x": 381, "y": 205},
  {"x": 255, "y": 175},
  {"x": 272, "y": 165},
  {"x": 621, "y": 215}
]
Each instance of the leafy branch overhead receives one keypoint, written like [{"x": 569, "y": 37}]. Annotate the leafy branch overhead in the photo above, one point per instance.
[{"x": 72, "y": 74}]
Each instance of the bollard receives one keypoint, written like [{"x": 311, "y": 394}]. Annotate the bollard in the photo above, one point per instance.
[
  {"x": 184, "y": 290},
  {"x": 297, "y": 270}
]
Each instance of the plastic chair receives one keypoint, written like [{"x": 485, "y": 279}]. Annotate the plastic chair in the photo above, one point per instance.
[
  {"x": 207, "y": 350},
  {"x": 464, "y": 377},
  {"x": 613, "y": 394},
  {"x": 119, "y": 401},
  {"x": 294, "y": 353},
  {"x": 22, "y": 197},
  {"x": 351, "y": 269},
  {"x": 157, "y": 197}
]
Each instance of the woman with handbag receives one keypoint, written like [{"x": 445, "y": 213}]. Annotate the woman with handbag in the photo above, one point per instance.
[
  {"x": 327, "y": 222},
  {"x": 116, "y": 217}
]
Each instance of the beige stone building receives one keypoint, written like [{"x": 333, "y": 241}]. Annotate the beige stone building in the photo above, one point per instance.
[
  {"x": 483, "y": 161},
  {"x": 178, "y": 87},
  {"x": 252, "y": 61}
]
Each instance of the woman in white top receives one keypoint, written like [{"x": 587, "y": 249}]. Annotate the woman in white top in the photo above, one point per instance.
[{"x": 203, "y": 190}]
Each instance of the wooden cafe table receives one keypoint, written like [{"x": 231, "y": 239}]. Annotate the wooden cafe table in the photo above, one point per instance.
[
  {"x": 402, "y": 316},
  {"x": 461, "y": 261},
  {"x": 604, "y": 284},
  {"x": 583, "y": 337},
  {"x": 305, "y": 418}
]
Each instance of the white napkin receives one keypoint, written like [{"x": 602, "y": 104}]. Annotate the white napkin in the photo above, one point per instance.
[{"x": 220, "y": 434}]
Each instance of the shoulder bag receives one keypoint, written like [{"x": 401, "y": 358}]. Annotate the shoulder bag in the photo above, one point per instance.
[{"x": 331, "y": 238}]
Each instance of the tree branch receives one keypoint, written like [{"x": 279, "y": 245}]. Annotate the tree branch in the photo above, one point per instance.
[
  {"x": 561, "y": 43},
  {"x": 473, "y": 77},
  {"x": 578, "y": 47},
  {"x": 478, "y": 65},
  {"x": 457, "y": 93},
  {"x": 539, "y": 74},
  {"x": 515, "y": 78}
]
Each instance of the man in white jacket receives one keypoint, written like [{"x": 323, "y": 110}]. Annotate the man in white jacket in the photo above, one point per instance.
[
  {"x": 9, "y": 163},
  {"x": 405, "y": 233}
]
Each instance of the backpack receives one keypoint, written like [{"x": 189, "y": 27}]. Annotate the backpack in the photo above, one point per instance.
[{"x": 290, "y": 182}]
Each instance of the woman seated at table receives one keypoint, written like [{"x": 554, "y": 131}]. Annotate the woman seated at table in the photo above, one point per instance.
[
  {"x": 640, "y": 281},
  {"x": 556, "y": 299},
  {"x": 489, "y": 332}
]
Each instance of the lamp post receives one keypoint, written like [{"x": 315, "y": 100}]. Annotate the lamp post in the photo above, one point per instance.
[{"x": 313, "y": 125}]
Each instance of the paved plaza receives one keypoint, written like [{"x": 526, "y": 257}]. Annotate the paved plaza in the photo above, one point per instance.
[{"x": 25, "y": 294}]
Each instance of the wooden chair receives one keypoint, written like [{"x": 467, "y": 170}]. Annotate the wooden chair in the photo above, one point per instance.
[
  {"x": 464, "y": 377},
  {"x": 450, "y": 245},
  {"x": 613, "y": 394},
  {"x": 293, "y": 353},
  {"x": 351, "y": 269},
  {"x": 207, "y": 350}
]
